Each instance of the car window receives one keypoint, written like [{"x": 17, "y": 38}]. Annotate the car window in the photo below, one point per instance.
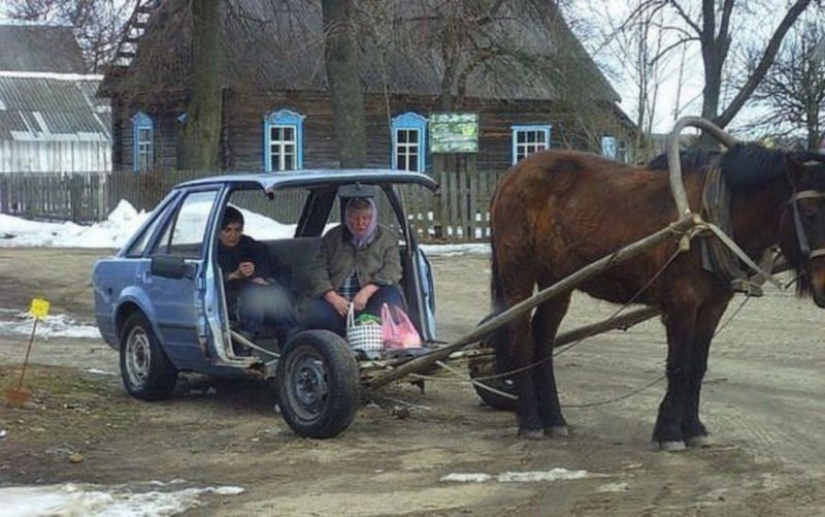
[
  {"x": 139, "y": 246},
  {"x": 269, "y": 218},
  {"x": 185, "y": 232}
]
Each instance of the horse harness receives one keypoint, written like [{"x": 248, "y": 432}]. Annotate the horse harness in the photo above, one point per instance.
[
  {"x": 717, "y": 257},
  {"x": 801, "y": 236},
  {"x": 720, "y": 258}
]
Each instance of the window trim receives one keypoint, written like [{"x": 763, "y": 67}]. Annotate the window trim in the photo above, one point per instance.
[
  {"x": 140, "y": 122},
  {"x": 547, "y": 129},
  {"x": 615, "y": 141},
  {"x": 170, "y": 221},
  {"x": 284, "y": 118},
  {"x": 410, "y": 121}
]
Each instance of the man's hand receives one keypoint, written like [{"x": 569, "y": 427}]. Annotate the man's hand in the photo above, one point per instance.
[
  {"x": 338, "y": 302},
  {"x": 360, "y": 300},
  {"x": 245, "y": 270}
]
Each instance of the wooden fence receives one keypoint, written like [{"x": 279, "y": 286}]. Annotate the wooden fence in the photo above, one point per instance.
[
  {"x": 79, "y": 197},
  {"x": 458, "y": 212}
]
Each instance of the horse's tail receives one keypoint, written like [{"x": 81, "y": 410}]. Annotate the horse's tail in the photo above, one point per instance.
[{"x": 499, "y": 339}]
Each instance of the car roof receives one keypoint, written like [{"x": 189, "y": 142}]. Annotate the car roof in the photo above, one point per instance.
[{"x": 310, "y": 178}]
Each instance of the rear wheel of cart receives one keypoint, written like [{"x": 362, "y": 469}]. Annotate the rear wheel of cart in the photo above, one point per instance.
[
  {"x": 318, "y": 384},
  {"x": 483, "y": 371}
]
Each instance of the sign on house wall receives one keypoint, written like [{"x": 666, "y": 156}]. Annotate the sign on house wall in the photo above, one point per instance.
[{"x": 453, "y": 132}]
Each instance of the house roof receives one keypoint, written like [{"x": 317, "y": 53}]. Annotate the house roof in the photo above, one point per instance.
[
  {"x": 39, "y": 48},
  {"x": 54, "y": 100},
  {"x": 528, "y": 50}
]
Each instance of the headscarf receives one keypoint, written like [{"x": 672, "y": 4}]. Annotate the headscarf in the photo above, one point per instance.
[{"x": 361, "y": 241}]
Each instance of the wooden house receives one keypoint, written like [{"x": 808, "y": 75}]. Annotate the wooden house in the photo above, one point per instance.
[
  {"x": 50, "y": 118},
  {"x": 519, "y": 71}
]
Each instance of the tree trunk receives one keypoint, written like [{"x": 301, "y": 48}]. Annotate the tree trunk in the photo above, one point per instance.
[
  {"x": 201, "y": 135},
  {"x": 715, "y": 43},
  {"x": 344, "y": 83}
]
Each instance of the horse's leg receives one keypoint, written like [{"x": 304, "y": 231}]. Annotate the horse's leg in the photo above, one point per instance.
[
  {"x": 545, "y": 324},
  {"x": 521, "y": 354},
  {"x": 707, "y": 320},
  {"x": 527, "y": 413},
  {"x": 679, "y": 323}
]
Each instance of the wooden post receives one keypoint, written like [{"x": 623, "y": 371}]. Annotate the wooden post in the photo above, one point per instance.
[
  {"x": 566, "y": 284},
  {"x": 4, "y": 192},
  {"x": 76, "y": 197},
  {"x": 440, "y": 176}
]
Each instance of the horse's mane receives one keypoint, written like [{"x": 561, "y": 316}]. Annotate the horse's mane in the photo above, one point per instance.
[{"x": 742, "y": 165}]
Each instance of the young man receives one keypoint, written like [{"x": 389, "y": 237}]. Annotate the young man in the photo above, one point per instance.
[{"x": 255, "y": 285}]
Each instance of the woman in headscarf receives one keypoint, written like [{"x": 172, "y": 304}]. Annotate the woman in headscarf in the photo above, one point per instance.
[{"x": 358, "y": 264}]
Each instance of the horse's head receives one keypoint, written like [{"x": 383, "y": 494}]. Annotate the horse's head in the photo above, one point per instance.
[{"x": 802, "y": 228}]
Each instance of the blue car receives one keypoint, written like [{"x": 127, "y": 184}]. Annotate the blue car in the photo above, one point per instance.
[{"x": 160, "y": 300}]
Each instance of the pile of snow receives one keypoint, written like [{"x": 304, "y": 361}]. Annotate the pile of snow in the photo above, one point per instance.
[
  {"x": 72, "y": 499},
  {"x": 555, "y": 474},
  {"x": 14, "y": 322},
  {"x": 111, "y": 233}
]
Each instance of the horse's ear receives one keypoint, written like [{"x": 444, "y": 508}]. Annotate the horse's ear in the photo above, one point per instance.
[{"x": 805, "y": 166}]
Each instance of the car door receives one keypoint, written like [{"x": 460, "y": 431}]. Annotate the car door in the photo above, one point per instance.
[{"x": 178, "y": 302}]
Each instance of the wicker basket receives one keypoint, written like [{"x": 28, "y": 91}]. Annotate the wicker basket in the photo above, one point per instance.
[{"x": 367, "y": 338}]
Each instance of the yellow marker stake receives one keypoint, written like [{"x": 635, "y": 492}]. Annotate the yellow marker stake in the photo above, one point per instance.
[
  {"x": 39, "y": 308},
  {"x": 17, "y": 397}
]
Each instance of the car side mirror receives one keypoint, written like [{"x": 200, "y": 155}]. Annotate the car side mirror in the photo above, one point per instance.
[{"x": 169, "y": 266}]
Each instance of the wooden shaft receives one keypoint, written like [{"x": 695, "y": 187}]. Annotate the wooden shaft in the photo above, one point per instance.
[{"x": 566, "y": 284}]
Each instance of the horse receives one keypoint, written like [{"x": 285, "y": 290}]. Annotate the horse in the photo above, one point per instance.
[{"x": 556, "y": 211}]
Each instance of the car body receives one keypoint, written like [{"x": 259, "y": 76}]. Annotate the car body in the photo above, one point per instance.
[{"x": 160, "y": 299}]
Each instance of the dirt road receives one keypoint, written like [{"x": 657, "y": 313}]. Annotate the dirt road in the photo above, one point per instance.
[{"x": 762, "y": 400}]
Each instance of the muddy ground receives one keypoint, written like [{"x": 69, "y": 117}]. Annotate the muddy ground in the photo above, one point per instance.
[{"x": 763, "y": 401}]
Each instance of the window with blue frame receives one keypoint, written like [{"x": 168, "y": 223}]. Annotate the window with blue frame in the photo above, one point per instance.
[
  {"x": 529, "y": 139},
  {"x": 284, "y": 136},
  {"x": 615, "y": 149},
  {"x": 408, "y": 137},
  {"x": 143, "y": 141},
  {"x": 610, "y": 148}
]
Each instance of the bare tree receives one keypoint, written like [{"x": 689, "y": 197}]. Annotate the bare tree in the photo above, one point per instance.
[
  {"x": 634, "y": 50},
  {"x": 344, "y": 82},
  {"x": 711, "y": 23},
  {"x": 794, "y": 88},
  {"x": 201, "y": 136},
  {"x": 97, "y": 23}
]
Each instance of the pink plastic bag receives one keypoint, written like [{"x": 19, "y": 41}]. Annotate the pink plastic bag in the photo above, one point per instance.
[{"x": 397, "y": 330}]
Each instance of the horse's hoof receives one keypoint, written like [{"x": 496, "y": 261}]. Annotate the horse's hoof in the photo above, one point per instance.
[
  {"x": 531, "y": 434},
  {"x": 671, "y": 446},
  {"x": 556, "y": 431},
  {"x": 698, "y": 441}
]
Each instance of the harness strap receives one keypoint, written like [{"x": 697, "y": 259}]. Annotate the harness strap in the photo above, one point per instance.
[
  {"x": 722, "y": 256},
  {"x": 742, "y": 255}
]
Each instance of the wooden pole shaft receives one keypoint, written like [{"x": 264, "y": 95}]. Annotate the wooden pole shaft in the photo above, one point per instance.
[{"x": 566, "y": 284}]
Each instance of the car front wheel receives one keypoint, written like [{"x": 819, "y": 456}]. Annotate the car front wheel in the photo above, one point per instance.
[
  {"x": 318, "y": 384},
  {"x": 146, "y": 371}
]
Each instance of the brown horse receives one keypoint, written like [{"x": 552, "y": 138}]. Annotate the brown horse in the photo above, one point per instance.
[{"x": 557, "y": 211}]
